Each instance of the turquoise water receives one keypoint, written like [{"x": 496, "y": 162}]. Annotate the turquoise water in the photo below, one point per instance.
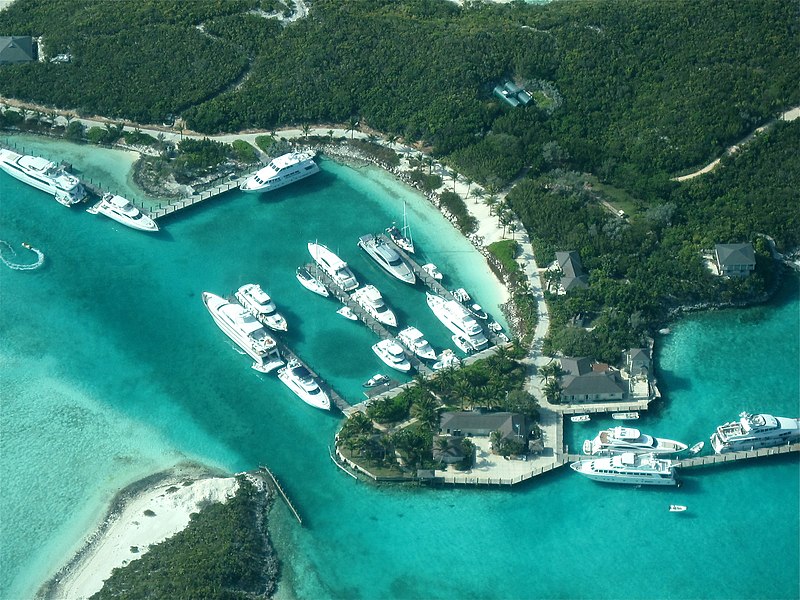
[{"x": 111, "y": 369}]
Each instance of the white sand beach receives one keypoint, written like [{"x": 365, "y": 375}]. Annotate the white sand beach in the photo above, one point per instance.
[{"x": 128, "y": 532}]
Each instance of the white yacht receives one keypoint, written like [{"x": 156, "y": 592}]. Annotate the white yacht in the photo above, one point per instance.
[
  {"x": 632, "y": 440},
  {"x": 456, "y": 318},
  {"x": 281, "y": 171},
  {"x": 300, "y": 380},
  {"x": 392, "y": 354},
  {"x": 122, "y": 211},
  {"x": 370, "y": 299},
  {"x": 412, "y": 338},
  {"x": 239, "y": 325},
  {"x": 402, "y": 237},
  {"x": 43, "y": 175},
  {"x": 461, "y": 343},
  {"x": 629, "y": 467},
  {"x": 447, "y": 359},
  {"x": 334, "y": 266},
  {"x": 311, "y": 283},
  {"x": 755, "y": 431},
  {"x": 387, "y": 257},
  {"x": 476, "y": 309},
  {"x": 258, "y": 302}
]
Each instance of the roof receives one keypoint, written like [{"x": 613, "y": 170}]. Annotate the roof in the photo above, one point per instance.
[
  {"x": 507, "y": 423},
  {"x": 573, "y": 276},
  {"x": 576, "y": 366},
  {"x": 454, "y": 451},
  {"x": 591, "y": 383},
  {"x": 637, "y": 355},
  {"x": 16, "y": 49},
  {"x": 735, "y": 254}
]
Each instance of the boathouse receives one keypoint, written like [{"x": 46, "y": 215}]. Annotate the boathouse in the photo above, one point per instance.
[{"x": 17, "y": 49}]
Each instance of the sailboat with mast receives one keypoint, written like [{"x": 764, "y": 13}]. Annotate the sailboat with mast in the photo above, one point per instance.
[{"x": 402, "y": 237}]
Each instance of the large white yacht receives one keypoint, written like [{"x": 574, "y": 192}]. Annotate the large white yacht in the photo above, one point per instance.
[
  {"x": 239, "y": 325},
  {"x": 628, "y": 467},
  {"x": 392, "y": 354},
  {"x": 458, "y": 320},
  {"x": 261, "y": 306},
  {"x": 122, "y": 211},
  {"x": 370, "y": 299},
  {"x": 412, "y": 338},
  {"x": 632, "y": 440},
  {"x": 43, "y": 175},
  {"x": 755, "y": 431},
  {"x": 387, "y": 257},
  {"x": 300, "y": 380},
  {"x": 334, "y": 266},
  {"x": 281, "y": 171}
]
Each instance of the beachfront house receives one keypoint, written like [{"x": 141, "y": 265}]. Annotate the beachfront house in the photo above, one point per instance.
[
  {"x": 448, "y": 449},
  {"x": 583, "y": 381},
  {"x": 17, "y": 49},
  {"x": 735, "y": 260}
]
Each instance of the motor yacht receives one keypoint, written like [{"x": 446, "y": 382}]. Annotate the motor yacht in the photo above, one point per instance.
[
  {"x": 387, "y": 257},
  {"x": 456, "y": 318},
  {"x": 412, "y": 338},
  {"x": 461, "y": 343},
  {"x": 475, "y": 309},
  {"x": 258, "y": 302},
  {"x": 334, "y": 266},
  {"x": 44, "y": 175},
  {"x": 376, "y": 380},
  {"x": 755, "y": 431},
  {"x": 239, "y": 325},
  {"x": 625, "y": 416},
  {"x": 370, "y": 299},
  {"x": 580, "y": 418},
  {"x": 122, "y": 211},
  {"x": 628, "y": 467},
  {"x": 281, "y": 171},
  {"x": 392, "y": 354},
  {"x": 622, "y": 439},
  {"x": 299, "y": 379},
  {"x": 447, "y": 359},
  {"x": 311, "y": 283}
]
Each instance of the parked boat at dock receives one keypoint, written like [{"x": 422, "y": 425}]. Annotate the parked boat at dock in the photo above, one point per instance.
[
  {"x": 456, "y": 318},
  {"x": 347, "y": 313},
  {"x": 281, "y": 171},
  {"x": 755, "y": 431},
  {"x": 261, "y": 306},
  {"x": 299, "y": 379},
  {"x": 391, "y": 353},
  {"x": 432, "y": 270},
  {"x": 311, "y": 283},
  {"x": 447, "y": 359},
  {"x": 402, "y": 237},
  {"x": 122, "y": 211},
  {"x": 44, "y": 175},
  {"x": 475, "y": 309},
  {"x": 625, "y": 416},
  {"x": 412, "y": 338},
  {"x": 628, "y": 467},
  {"x": 696, "y": 448},
  {"x": 239, "y": 325},
  {"x": 387, "y": 257},
  {"x": 620, "y": 439},
  {"x": 370, "y": 299},
  {"x": 579, "y": 418},
  {"x": 334, "y": 266}
]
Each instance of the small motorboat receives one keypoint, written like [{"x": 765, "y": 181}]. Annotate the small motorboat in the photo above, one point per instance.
[
  {"x": 677, "y": 508},
  {"x": 347, "y": 313},
  {"x": 433, "y": 271},
  {"x": 311, "y": 283},
  {"x": 475, "y": 309},
  {"x": 376, "y": 380},
  {"x": 625, "y": 416},
  {"x": 462, "y": 343},
  {"x": 580, "y": 418},
  {"x": 696, "y": 448},
  {"x": 446, "y": 360},
  {"x": 495, "y": 327}
]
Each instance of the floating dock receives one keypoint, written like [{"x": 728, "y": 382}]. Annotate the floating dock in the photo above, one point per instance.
[{"x": 716, "y": 459}]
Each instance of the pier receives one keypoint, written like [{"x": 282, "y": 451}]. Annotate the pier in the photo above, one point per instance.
[
  {"x": 716, "y": 459},
  {"x": 164, "y": 209},
  {"x": 278, "y": 487}
]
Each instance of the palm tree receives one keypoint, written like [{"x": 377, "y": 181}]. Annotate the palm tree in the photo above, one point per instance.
[
  {"x": 552, "y": 390},
  {"x": 469, "y": 183},
  {"x": 306, "y": 129},
  {"x": 351, "y": 126},
  {"x": 330, "y": 135},
  {"x": 491, "y": 202},
  {"x": 392, "y": 139},
  {"x": 463, "y": 391},
  {"x": 424, "y": 409}
]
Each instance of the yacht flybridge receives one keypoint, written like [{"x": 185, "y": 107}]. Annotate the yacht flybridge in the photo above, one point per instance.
[
  {"x": 258, "y": 302},
  {"x": 755, "y": 431},
  {"x": 629, "y": 467},
  {"x": 630, "y": 440},
  {"x": 122, "y": 211},
  {"x": 387, "y": 257},
  {"x": 370, "y": 299},
  {"x": 300, "y": 380},
  {"x": 457, "y": 319},
  {"x": 334, "y": 266},
  {"x": 392, "y": 354},
  {"x": 44, "y": 175},
  {"x": 412, "y": 338},
  {"x": 281, "y": 171}
]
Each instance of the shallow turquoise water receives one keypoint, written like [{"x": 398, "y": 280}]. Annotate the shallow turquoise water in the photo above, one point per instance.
[{"x": 111, "y": 368}]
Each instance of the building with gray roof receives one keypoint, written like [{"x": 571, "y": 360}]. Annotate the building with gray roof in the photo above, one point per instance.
[
  {"x": 16, "y": 50},
  {"x": 575, "y": 366},
  {"x": 735, "y": 260},
  {"x": 572, "y": 277},
  {"x": 593, "y": 387},
  {"x": 510, "y": 425},
  {"x": 637, "y": 361}
]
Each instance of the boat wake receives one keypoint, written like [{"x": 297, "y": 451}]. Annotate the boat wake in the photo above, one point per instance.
[{"x": 6, "y": 249}]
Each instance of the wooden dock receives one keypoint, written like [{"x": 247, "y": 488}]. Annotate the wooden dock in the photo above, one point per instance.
[
  {"x": 716, "y": 459},
  {"x": 278, "y": 487},
  {"x": 167, "y": 208}
]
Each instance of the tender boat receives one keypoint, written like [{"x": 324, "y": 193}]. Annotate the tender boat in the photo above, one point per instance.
[
  {"x": 239, "y": 325},
  {"x": 456, "y": 318},
  {"x": 412, "y": 338},
  {"x": 376, "y": 380},
  {"x": 579, "y": 418},
  {"x": 755, "y": 431},
  {"x": 696, "y": 448},
  {"x": 300, "y": 380},
  {"x": 463, "y": 296},
  {"x": 392, "y": 354},
  {"x": 44, "y": 175},
  {"x": 387, "y": 257},
  {"x": 632, "y": 440},
  {"x": 447, "y": 359},
  {"x": 258, "y": 302},
  {"x": 347, "y": 313},
  {"x": 461, "y": 343},
  {"x": 402, "y": 237},
  {"x": 629, "y": 467},
  {"x": 122, "y": 211},
  {"x": 370, "y": 299},
  {"x": 334, "y": 266},
  {"x": 433, "y": 271},
  {"x": 308, "y": 281},
  {"x": 281, "y": 171},
  {"x": 625, "y": 416},
  {"x": 495, "y": 327},
  {"x": 677, "y": 508}
]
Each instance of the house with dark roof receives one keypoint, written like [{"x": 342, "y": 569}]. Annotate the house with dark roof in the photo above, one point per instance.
[
  {"x": 575, "y": 366},
  {"x": 16, "y": 49},
  {"x": 735, "y": 260},
  {"x": 510, "y": 425},
  {"x": 451, "y": 454},
  {"x": 572, "y": 275},
  {"x": 606, "y": 386},
  {"x": 637, "y": 361}
]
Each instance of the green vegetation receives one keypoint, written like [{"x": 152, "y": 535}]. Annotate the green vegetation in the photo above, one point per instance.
[
  {"x": 454, "y": 204},
  {"x": 380, "y": 153},
  {"x": 224, "y": 553},
  {"x": 506, "y": 251}
]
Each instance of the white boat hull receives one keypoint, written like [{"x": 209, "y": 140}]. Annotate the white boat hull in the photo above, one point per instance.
[
  {"x": 8, "y": 163},
  {"x": 267, "y": 179},
  {"x": 136, "y": 220},
  {"x": 313, "y": 397}
]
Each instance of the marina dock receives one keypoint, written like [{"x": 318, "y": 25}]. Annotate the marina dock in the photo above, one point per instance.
[
  {"x": 716, "y": 459},
  {"x": 167, "y": 208},
  {"x": 282, "y": 493}
]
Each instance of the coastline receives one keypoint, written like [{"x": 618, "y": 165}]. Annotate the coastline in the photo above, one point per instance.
[{"x": 171, "y": 496}]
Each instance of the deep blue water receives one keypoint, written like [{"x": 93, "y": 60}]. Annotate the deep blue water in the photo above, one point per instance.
[{"x": 111, "y": 369}]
